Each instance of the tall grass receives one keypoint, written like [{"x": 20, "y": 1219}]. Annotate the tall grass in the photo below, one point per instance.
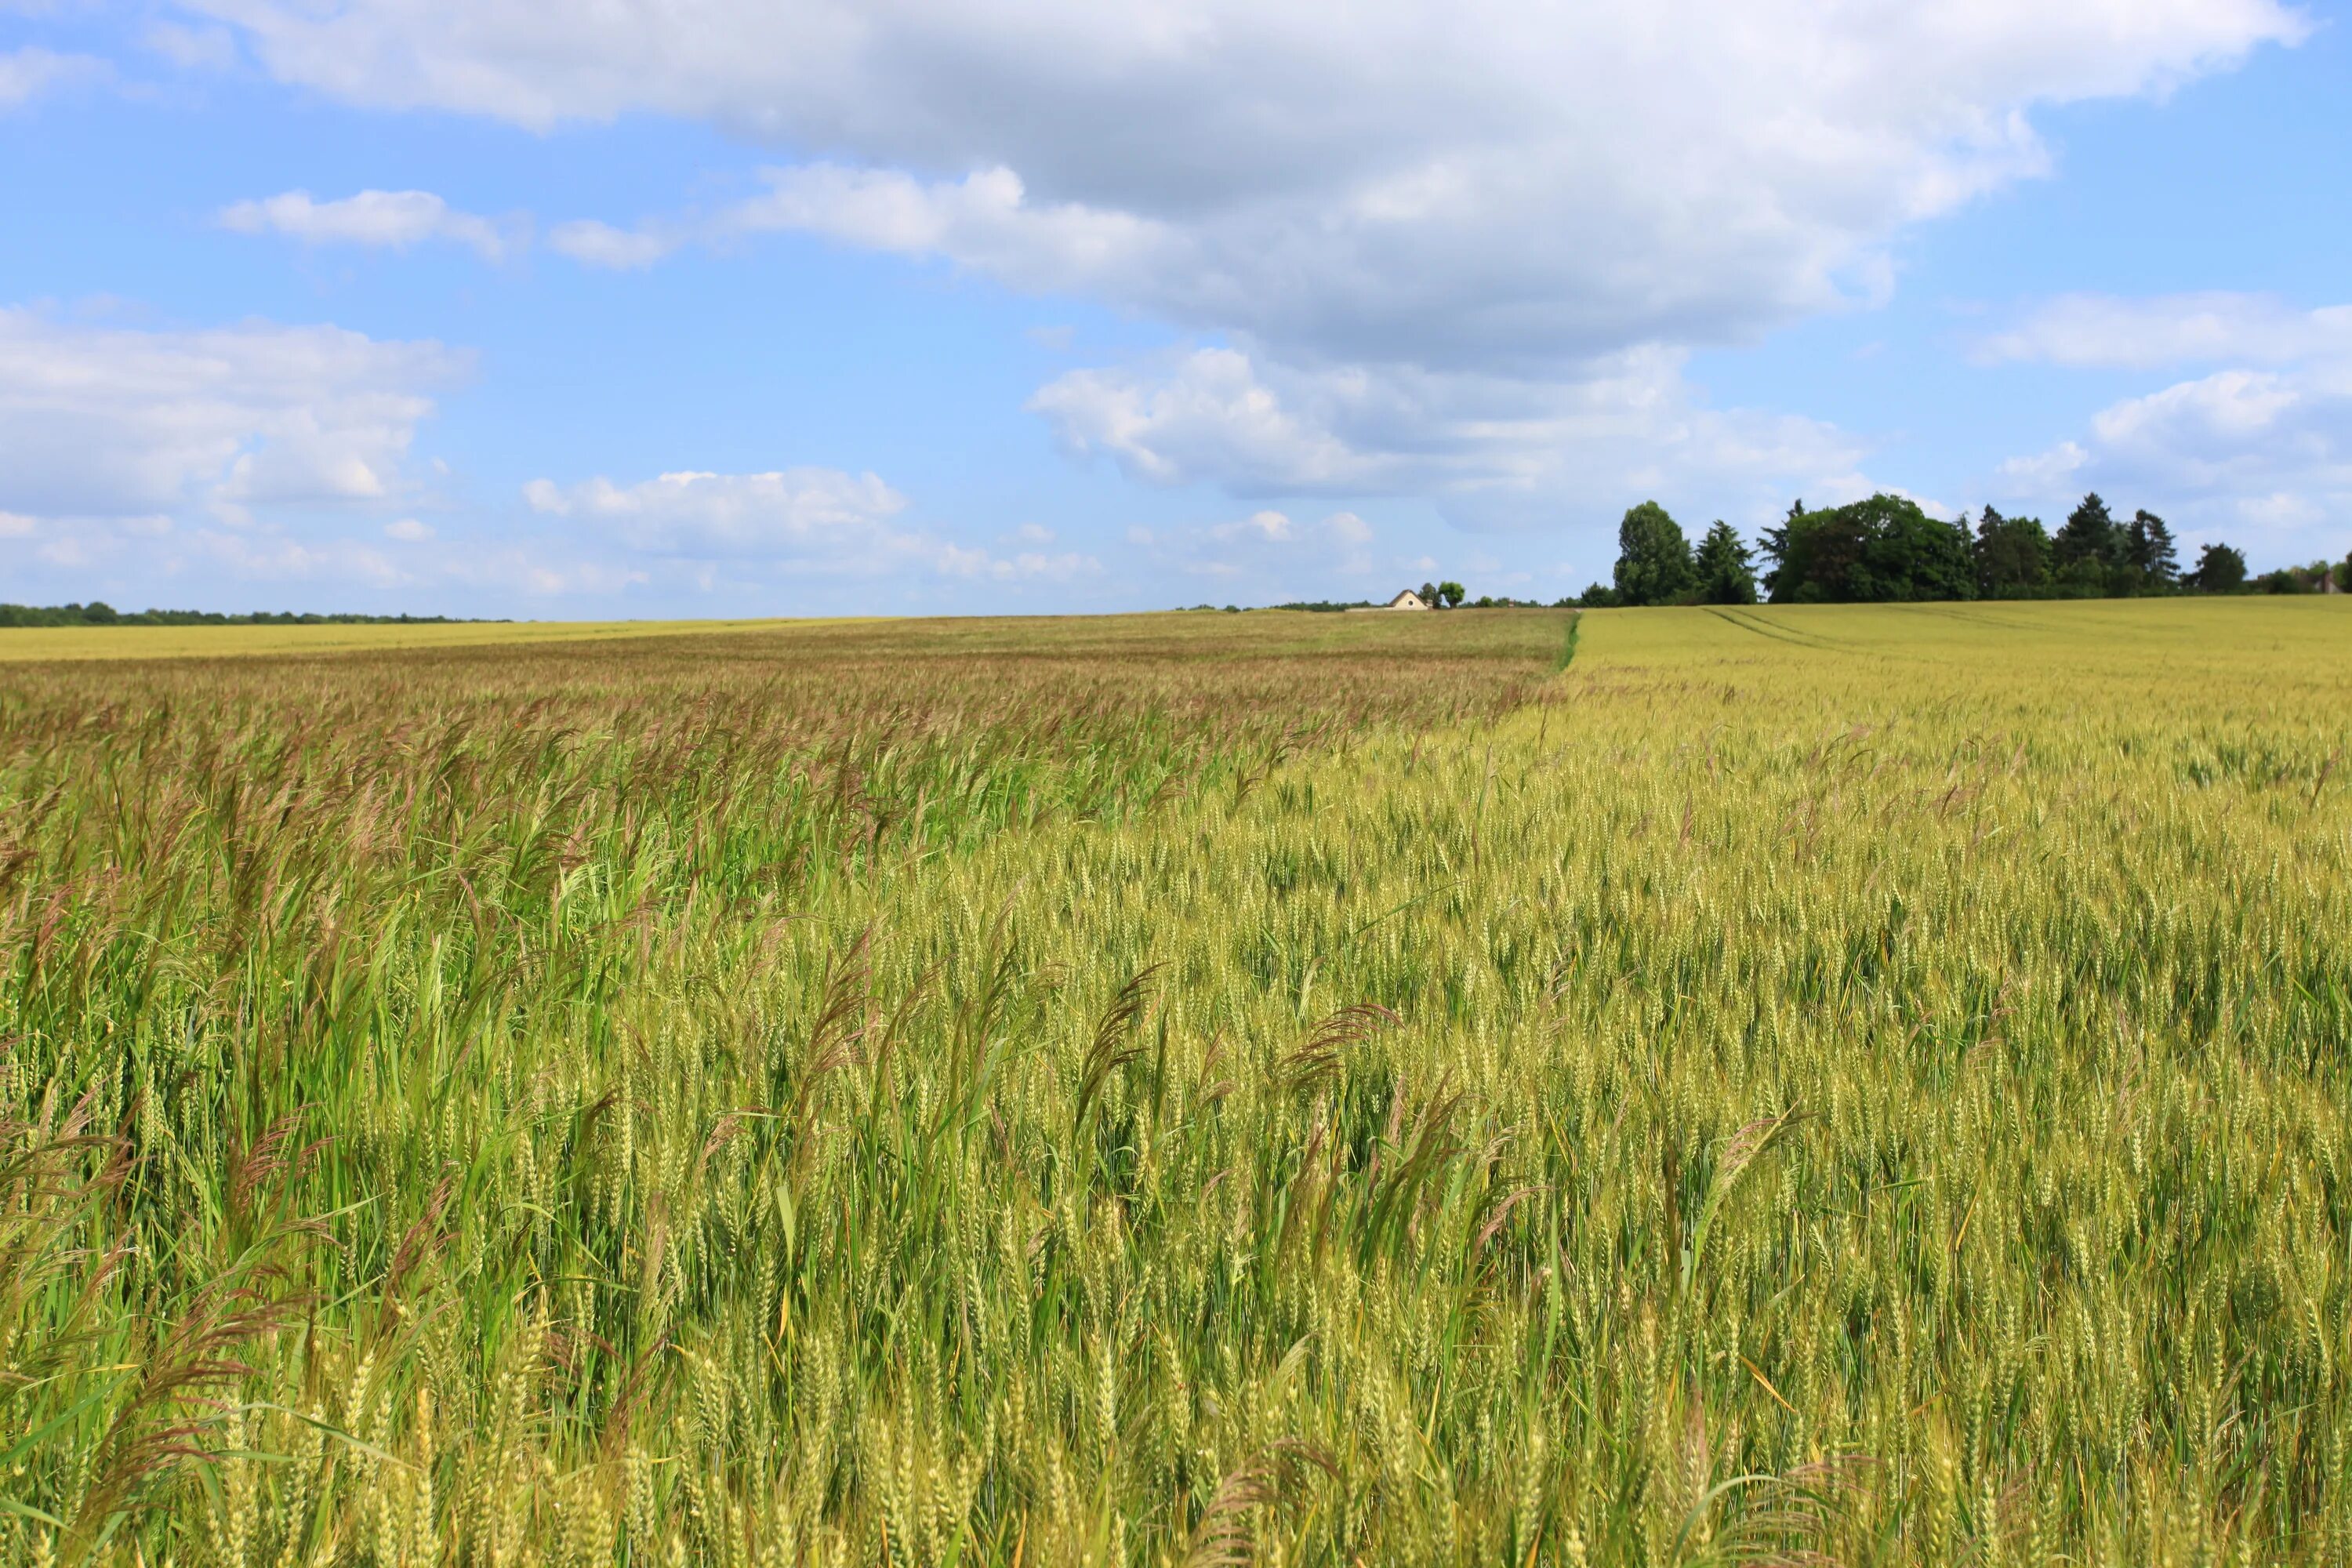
[{"x": 1866, "y": 1085}]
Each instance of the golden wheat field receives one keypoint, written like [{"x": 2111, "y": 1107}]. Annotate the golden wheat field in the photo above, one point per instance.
[
  {"x": 48, "y": 644},
  {"x": 1847, "y": 1085}
]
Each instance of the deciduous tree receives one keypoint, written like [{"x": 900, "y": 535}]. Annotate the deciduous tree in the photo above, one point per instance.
[
  {"x": 1654, "y": 559},
  {"x": 1879, "y": 550},
  {"x": 2220, "y": 570}
]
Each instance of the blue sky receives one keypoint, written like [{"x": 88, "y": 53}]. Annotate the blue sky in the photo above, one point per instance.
[{"x": 650, "y": 307}]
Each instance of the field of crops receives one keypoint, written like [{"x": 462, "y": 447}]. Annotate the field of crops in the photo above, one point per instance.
[
  {"x": 21, "y": 645},
  {"x": 1848, "y": 1084}
]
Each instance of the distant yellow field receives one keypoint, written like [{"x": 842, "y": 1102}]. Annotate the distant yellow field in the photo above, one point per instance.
[
  {"x": 2198, "y": 637},
  {"x": 19, "y": 644}
]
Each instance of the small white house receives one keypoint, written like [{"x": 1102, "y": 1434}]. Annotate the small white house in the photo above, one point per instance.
[{"x": 1408, "y": 600}]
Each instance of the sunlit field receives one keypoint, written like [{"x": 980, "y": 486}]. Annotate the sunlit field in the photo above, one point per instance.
[{"x": 1846, "y": 1084}]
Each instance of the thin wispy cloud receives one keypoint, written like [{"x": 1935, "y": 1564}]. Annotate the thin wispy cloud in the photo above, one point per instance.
[{"x": 386, "y": 220}]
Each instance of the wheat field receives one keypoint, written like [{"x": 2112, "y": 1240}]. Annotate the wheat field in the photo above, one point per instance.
[
  {"x": 22, "y": 645},
  {"x": 1848, "y": 1085}
]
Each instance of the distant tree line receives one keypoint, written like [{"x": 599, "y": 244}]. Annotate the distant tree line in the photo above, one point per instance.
[
  {"x": 1454, "y": 596},
  {"x": 98, "y": 613},
  {"x": 1887, "y": 550},
  {"x": 1447, "y": 596}
]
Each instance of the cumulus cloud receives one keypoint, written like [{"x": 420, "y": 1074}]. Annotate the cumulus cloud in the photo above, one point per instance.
[
  {"x": 1457, "y": 249},
  {"x": 1392, "y": 181},
  {"x": 142, "y": 459},
  {"x": 394, "y": 220},
  {"x": 1209, "y": 414},
  {"x": 984, "y": 221},
  {"x": 811, "y": 518},
  {"x": 2264, "y": 442},
  {"x": 1494, "y": 452},
  {"x": 100, "y": 421},
  {"x": 2267, "y": 444}
]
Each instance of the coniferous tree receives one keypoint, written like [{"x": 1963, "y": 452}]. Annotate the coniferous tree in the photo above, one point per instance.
[
  {"x": 2012, "y": 556},
  {"x": 1724, "y": 568},
  {"x": 1774, "y": 545},
  {"x": 2086, "y": 552},
  {"x": 2149, "y": 549}
]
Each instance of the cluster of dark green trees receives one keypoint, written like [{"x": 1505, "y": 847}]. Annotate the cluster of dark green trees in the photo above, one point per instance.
[
  {"x": 98, "y": 613},
  {"x": 1887, "y": 550}
]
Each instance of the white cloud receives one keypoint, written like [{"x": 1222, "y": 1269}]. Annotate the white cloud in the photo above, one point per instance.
[
  {"x": 30, "y": 73},
  {"x": 983, "y": 221},
  {"x": 1027, "y": 565},
  {"x": 810, "y": 521},
  {"x": 2044, "y": 473},
  {"x": 1450, "y": 249},
  {"x": 153, "y": 560},
  {"x": 282, "y": 558},
  {"x": 2273, "y": 447},
  {"x": 1271, "y": 526},
  {"x": 2099, "y": 331},
  {"x": 1391, "y": 182},
  {"x": 396, "y": 220},
  {"x": 228, "y": 454},
  {"x": 813, "y": 520},
  {"x": 2269, "y": 450},
  {"x": 1278, "y": 554},
  {"x": 601, "y": 245},
  {"x": 1206, "y": 415},
  {"x": 793, "y": 511},
  {"x": 1495, "y": 451},
  {"x": 2263, "y": 443},
  {"x": 541, "y": 576},
  {"x": 107, "y": 422}
]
